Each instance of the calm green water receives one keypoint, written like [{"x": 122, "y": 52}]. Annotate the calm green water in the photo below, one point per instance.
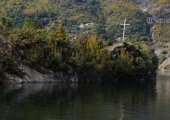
[{"x": 86, "y": 102}]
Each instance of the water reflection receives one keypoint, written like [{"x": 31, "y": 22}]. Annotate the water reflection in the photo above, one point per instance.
[
  {"x": 163, "y": 98},
  {"x": 119, "y": 101}
]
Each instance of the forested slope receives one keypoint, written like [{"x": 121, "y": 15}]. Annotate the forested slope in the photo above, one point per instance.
[{"x": 106, "y": 15}]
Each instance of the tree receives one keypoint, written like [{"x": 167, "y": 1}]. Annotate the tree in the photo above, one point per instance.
[
  {"x": 5, "y": 45},
  {"x": 59, "y": 42}
]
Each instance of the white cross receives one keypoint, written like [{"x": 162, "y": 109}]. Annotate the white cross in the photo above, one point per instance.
[{"x": 124, "y": 29}]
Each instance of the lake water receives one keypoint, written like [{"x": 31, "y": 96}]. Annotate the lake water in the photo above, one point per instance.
[{"x": 119, "y": 101}]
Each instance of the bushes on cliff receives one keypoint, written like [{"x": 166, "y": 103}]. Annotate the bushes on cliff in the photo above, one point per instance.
[
  {"x": 6, "y": 60},
  {"x": 133, "y": 61},
  {"x": 87, "y": 54},
  {"x": 90, "y": 57},
  {"x": 37, "y": 46}
]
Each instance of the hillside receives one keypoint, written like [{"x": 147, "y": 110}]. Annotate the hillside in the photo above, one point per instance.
[
  {"x": 101, "y": 16},
  {"x": 159, "y": 27}
]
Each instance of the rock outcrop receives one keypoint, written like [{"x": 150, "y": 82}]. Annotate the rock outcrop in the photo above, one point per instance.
[
  {"x": 163, "y": 53},
  {"x": 135, "y": 61},
  {"x": 29, "y": 75},
  {"x": 165, "y": 66}
]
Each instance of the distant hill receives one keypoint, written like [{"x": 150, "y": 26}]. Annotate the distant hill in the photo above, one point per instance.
[
  {"x": 97, "y": 16},
  {"x": 105, "y": 15}
]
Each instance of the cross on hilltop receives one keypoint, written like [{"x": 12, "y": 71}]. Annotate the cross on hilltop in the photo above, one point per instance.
[{"x": 124, "y": 29}]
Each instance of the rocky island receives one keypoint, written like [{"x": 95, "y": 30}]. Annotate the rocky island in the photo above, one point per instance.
[{"x": 32, "y": 54}]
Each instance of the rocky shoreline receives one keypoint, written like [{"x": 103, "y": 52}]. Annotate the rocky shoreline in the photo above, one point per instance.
[
  {"x": 30, "y": 75},
  {"x": 26, "y": 73}
]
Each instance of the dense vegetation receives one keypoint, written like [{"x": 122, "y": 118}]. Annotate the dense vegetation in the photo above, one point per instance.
[
  {"x": 105, "y": 15},
  {"x": 161, "y": 11},
  {"x": 53, "y": 49},
  {"x": 63, "y": 34},
  {"x": 161, "y": 32}
]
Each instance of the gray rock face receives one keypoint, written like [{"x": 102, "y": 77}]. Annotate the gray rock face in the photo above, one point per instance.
[
  {"x": 165, "y": 66},
  {"x": 33, "y": 76},
  {"x": 162, "y": 51}
]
